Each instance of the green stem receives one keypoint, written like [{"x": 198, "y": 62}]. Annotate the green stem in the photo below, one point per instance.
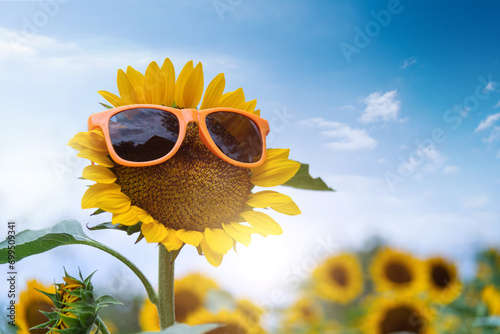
[
  {"x": 166, "y": 310},
  {"x": 102, "y": 326},
  {"x": 149, "y": 288}
]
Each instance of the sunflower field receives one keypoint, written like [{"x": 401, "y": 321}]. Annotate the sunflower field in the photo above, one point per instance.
[{"x": 377, "y": 291}]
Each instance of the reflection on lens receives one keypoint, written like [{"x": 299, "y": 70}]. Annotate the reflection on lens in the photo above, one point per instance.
[
  {"x": 143, "y": 134},
  {"x": 236, "y": 135}
]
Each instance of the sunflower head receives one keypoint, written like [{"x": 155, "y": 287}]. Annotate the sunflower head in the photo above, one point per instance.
[
  {"x": 306, "y": 316},
  {"x": 232, "y": 322},
  {"x": 190, "y": 296},
  {"x": 194, "y": 197},
  {"x": 339, "y": 278},
  {"x": 395, "y": 315},
  {"x": 444, "y": 284},
  {"x": 491, "y": 297},
  {"x": 398, "y": 272},
  {"x": 30, "y": 304},
  {"x": 75, "y": 308}
]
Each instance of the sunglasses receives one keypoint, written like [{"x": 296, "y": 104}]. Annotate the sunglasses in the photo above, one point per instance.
[{"x": 146, "y": 134}]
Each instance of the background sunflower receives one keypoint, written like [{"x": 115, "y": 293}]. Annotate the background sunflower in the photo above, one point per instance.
[
  {"x": 339, "y": 278},
  {"x": 30, "y": 303},
  {"x": 398, "y": 272}
]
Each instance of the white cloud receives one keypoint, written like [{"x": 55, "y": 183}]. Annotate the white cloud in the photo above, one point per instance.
[
  {"x": 408, "y": 62},
  {"x": 345, "y": 137},
  {"x": 450, "y": 169},
  {"x": 474, "y": 202},
  {"x": 490, "y": 86},
  {"x": 497, "y": 105},
  {"x": 494, "y": 135},
  {"x": 381, "y": 107},
  {"x": 488, "y": 122}
]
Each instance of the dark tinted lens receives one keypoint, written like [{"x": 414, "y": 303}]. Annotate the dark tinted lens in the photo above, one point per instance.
[
  {"x": 143, "y": 134},
  {"x": 236, "y": 135}
]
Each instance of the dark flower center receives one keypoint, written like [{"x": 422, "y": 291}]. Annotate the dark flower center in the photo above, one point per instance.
[
  {"x": 398, "y": 273},
  {"x": 339, "y": 275},
  {"x": 35, "y": 317},
  {"x": 402, "y": 319},
  {"x": 185, "y": 303},
  {"x": 192, "y": 190},
  {"x": 440, "y": 276}
]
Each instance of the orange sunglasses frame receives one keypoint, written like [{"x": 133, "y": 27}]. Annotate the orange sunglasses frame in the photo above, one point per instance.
[{"x": 101, "y": 120}]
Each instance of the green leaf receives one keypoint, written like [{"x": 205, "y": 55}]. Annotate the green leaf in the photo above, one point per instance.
[
  {"x": 107, "y": 106},
  {"x": 107, "y": 226},
  {"x": 107, "y": 300},
  {"x": 110, "y": 226},
  {"x": 30, "y": 242},
  {"x": 67, "y": 232},
  {"x": 186, "y": 329},
  {"x": 303, "y": 180},
  {"x": 491, "y": 322}
]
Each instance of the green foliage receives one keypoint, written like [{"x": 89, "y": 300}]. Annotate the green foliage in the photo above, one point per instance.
[
  {"x": 303, "y": 180},
  {"x": 31, "y": 242},
  {"x": 186, "y": 329}
]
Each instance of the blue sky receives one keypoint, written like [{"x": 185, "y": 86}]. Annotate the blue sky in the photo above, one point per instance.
[{"x": 406, "y": 128}]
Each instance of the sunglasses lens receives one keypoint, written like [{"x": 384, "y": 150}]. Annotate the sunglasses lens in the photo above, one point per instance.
[
  {"x": 143, "y": 134},
  {"x": 236, "y": 135}
]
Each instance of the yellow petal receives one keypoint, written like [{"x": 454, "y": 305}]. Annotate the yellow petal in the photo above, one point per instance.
[
  {"x": 213, "y": 258},
  {"x": 96, "y": 157},
  {"x": 277, "y": 153},
  {"x": 172, "y": 242},
  {"x": 168, "y": 75},
  {"x": 190, "y": 237},
  {"x": 234, "y": 99},
  {"x": 250, "y": 107},
  {"x": 142, "y": 215},
  {"x": 126, "y": 89},
  {"x": 290, "y": 209},
  {"x": 93, "y": 140},
  {"x": 274, "y": 173},
  {"x": 194, "y": 88},
  {"x": 111, "y": 98},
  {"x": 114, "y": 202},
  {"x": 154, "y": 85},
  {"x": 154, "y": 232},
  {"x": 98, "y": 174},
  {"x": 181, "y": 83},
  {"x": 213, "y": 93},
  {"x": 241, "y": 237},
  {"x": 243, "y": 228},
  {"x": 137, "y": 80},
  {"x": 218, "y": 240},
  {"x": 94, "y": 192},
  {"x": 267, "y": 198},
  {"x": 127, "y": 218},
  {"x": 262, "y": 222}
]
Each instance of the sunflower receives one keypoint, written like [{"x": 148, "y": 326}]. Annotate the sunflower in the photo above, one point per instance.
[
  {"x": 31, "y": 302},
  {"x": 190, "y": 295},
  {"x": 68, "y": 297},
  {"x": 306, "y": 316},
  {"x": 339, "y": 278},
  {"x": 233, "y": 322},
  {"x": 491, "y": 298},
  {"x": 398, "y": 272},
  {"x": 221, "y": 209},
  {"x": 444, "y": 284},
  {"x": 252, "y": 312},
  {"x": 394, "y": 315},
  {"x": 304, "y": 311}
]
